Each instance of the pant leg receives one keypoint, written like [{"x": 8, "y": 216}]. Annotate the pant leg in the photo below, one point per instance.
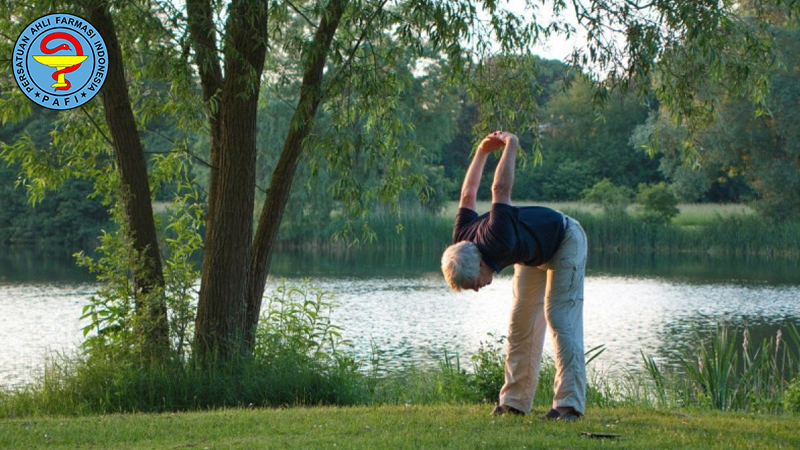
[
  {"x": 564, "y": 313},
  {"x": 526, "y": 331}
]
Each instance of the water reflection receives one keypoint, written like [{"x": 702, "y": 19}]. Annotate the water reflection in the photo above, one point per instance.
[
  {"x": 398, "y": 303},
  {"x": 24, "y": 265},
  {"x": 698, "y": 269}
]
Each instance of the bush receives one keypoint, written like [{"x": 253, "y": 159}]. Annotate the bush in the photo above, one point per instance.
[
  {"x": 297, "y": 361},
  {"x": 614, "y": 199},
  {"x": 792, "y": 400},
  {"x": 489, "y": 363},
  {"x": 658, "y": 202}
]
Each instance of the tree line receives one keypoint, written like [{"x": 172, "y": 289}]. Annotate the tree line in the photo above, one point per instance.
[{"x": 628, "y": 142}]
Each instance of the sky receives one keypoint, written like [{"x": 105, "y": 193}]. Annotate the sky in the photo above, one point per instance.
[{"x": 558, "y": 47}]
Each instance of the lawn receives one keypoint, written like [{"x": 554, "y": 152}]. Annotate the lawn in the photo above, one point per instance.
[{"x": 398, "y": 427}]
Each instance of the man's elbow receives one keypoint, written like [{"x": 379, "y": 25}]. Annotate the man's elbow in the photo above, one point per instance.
[
  {"x": 501, "y": 193},
  {"x": 501, "y": 190},
  {"x": 468, "y": 198}
]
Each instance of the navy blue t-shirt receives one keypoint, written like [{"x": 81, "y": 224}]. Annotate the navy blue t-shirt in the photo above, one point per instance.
[{"x": 509, "y": 235}]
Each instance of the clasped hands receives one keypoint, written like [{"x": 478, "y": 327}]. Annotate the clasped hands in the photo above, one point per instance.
[{"x": 496, "y": 140}]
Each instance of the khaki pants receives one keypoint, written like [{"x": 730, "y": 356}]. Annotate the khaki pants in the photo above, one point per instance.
[{"x": 550, "y": 294}]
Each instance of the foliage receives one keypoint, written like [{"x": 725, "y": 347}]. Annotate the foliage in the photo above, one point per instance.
[
  {"x": 743, "y": 154},
  {"x": 586, "y": 144},
  {"x": 67, "y": 219},
  {"x": 754, "y": 377},
  {"x": 111, "y": 322},
  {"x": 71, "y": 217},
  {"x": 297, "y": 320},
  {"x": 614, "y": 199},
  {"x": 792, "y": 401},
  {"x": 659, "y": 204},
  {"x": 733, "y": 235},
  {"x": 714, "y": 370},
  {"x": 299, "y": 360},
  {"x": 731, "y": 230},
  {"x": 488, "y": 362}
]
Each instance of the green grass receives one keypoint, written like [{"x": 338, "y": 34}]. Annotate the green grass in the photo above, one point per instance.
[
  {"x": 402, "y": 427},
  {"x": 451, "y": 208},
  {"x": 695, "y": 214},
  {"x": 714, "y": 229},
  {"x": 692, "y": 214}
]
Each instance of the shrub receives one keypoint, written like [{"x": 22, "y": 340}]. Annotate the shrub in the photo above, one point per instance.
[
  {"x": 614, "y": 199},
  {"x": 488, "y": 363},
  {"x": 792, "y": 400},
  {"x": 658, "y": 202}
]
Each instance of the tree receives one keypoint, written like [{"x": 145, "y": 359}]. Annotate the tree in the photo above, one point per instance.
[
  {"x": 148, "y": 281},
  {"x": 741, "y": 147},
  {"x": 584, "y": 145}
]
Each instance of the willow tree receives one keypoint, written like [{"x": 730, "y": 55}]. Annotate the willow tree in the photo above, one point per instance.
[{"x": 337, "y": 54}]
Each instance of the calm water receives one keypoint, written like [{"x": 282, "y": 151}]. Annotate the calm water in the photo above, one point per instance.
[{"x": 399, "y": 303}]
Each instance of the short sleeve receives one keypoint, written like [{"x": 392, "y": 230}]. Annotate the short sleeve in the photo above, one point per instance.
[
  {"x": 502, "y": 226},
  {"x": 464, "y": 218}
]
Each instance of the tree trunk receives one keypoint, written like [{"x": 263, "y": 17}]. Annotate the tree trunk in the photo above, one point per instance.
[
  {"x": 151, "y": 309},
  {"x": 222, "y": 306},
  {"x": 204, "y": 40},
  {"x": 311, "y": 94}
]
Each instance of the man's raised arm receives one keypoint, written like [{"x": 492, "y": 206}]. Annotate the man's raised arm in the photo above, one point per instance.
[
  {"x": 504, "y": 174},
  {"x": 469, "y": 190}
]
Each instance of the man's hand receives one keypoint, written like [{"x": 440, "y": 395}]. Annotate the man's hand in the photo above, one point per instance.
[{"x": 496, "y": 140}]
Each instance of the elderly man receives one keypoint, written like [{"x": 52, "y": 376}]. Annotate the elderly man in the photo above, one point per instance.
[{"x": 548, "y": 251}]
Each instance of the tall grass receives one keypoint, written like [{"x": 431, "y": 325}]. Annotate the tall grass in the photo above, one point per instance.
[
  {"x": 730, "y": 230},
  {"x": 722, "y": 374},
  {"x": 298, "y": 361},
  {"x": 731, "y": 235}
]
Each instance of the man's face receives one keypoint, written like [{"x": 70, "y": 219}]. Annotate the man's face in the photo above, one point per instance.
[{"x": 485, "y": 275}]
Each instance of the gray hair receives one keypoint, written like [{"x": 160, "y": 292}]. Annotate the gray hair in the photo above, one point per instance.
[{"x": 461, "y": 264}]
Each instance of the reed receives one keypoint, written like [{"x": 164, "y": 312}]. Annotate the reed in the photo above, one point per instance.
[
  {"x": 728, "y": 373},
  {"x": 728, "y": 230},
  {"x": 732, "y": 235},
  {"x": 298, "y": 361}
]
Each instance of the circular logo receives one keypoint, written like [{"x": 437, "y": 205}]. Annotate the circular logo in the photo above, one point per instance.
[{"x": 60, "y": 61}]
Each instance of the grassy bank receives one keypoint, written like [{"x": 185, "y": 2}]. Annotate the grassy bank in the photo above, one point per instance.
[
  {"x": 414, "y": 408},
  {"x": 396, "y": 427}
]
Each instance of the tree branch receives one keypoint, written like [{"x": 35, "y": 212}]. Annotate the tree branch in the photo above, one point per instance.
[
  {"x": 203, "y": 30},
  {"x": 311, "y": 94},
  {"x": 297, "y": 10},
  {"x": 361, "y": 38},
  {"x": 97, "y": 126}
]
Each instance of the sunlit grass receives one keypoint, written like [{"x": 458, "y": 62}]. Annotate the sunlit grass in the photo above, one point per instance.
[
  {"x": 452, "y": 207},
  {"x": 696, "y": 214},
  {"x": 404, "y": 427},
  {"x": 691, "y": 214}
]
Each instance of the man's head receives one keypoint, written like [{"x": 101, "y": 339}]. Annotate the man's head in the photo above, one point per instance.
[{"x": 463, "y": 267}]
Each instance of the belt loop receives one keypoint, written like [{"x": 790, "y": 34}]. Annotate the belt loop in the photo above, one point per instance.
[{"x": 566, "y": 222}]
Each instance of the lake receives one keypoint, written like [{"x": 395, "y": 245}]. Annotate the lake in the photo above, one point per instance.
[{"x": 397, "y": 302}]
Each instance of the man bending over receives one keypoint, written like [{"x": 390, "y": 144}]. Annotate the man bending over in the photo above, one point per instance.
[{"x": 548, "y": 251}]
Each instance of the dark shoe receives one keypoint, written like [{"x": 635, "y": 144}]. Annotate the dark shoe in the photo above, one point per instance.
[
  {"x": 500, "y": 410},
  {"x": 571, "y": 416},
  {"x": 553, "y": 414}
]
